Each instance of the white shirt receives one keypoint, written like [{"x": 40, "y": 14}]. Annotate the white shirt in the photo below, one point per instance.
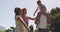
[{"x": 43, "y": 22}]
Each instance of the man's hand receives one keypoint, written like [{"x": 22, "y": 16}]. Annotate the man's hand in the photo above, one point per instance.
[{"x": 49, "y": 24}]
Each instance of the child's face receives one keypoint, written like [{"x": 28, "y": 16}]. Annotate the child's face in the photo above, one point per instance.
[
  {"x": 24, "y": 12},
  {"x": 39, "y": 3}
]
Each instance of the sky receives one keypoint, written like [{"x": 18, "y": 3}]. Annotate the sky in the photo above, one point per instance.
[{"x": 7, "y": 10}]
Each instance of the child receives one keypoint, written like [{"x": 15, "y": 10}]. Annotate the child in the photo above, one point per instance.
[
  {"x": 39, "y": 6},
  {"x": 26, "y": 18},
  {"x": 19, "y": 25},
  {"x": 43, "y": 20}
]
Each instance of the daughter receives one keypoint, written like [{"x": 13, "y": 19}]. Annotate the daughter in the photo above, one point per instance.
[{"x": 26, "y": 18}]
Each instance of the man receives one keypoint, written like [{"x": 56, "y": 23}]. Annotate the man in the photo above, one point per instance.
[{"x": 43, "y": 20}]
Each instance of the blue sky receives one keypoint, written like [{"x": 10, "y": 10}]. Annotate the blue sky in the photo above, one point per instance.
[{"x": 7, "y": 9}]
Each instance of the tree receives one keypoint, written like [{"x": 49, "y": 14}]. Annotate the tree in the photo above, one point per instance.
[
  {"x": 8, "y": 30},
  {"x": 31, "y": 28},
  {"x": 55, "y": 16},
  {"x": 13, "y": 29}
]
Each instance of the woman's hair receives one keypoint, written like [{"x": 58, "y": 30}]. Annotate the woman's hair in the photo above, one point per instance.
[{"x": 16, "y": 10}]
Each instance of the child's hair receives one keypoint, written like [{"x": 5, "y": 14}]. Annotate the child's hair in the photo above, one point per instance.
[
  {"x": 16, "y": 10},
  {"x": 38, "y": 1}
]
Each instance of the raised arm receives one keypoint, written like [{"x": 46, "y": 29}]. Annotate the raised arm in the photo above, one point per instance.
[{"x": 35, "y": 11}]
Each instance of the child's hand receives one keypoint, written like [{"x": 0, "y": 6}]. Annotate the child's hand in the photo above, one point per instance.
[{"x": 34, "y": 14}]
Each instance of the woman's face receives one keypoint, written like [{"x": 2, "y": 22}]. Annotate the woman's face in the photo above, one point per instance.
[{"x": 20, "y": 12}]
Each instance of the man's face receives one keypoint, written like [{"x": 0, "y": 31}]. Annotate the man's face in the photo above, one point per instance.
[{"x": 43, "y": 10}]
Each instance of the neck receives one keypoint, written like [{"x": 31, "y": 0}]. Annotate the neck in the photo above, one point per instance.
[{"x": 19, "y": 15}]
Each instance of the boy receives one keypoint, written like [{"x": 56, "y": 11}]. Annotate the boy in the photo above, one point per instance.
[{"x": 39, "y": 6}]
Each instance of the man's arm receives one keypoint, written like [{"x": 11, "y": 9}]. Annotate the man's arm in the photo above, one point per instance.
[
  {"x": 35, "y": 11},
  {"x": 37, "y": 17},
  {"x": 49, "y": 19}
]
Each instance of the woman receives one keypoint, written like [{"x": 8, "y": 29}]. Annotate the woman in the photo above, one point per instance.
[{"x": 19, "y": 24}]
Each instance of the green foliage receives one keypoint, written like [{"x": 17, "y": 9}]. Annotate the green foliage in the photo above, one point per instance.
[
  {"x": 31, "y": 27},
  {"x": 55, "y": 16},
  {"x": 36, "y": 30},
  {"x": 2, "y": 31},
  {"x": 10, "y": 29}
]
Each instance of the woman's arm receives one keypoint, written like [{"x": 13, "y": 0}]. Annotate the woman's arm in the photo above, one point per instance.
[{"x": 30, "y": 18}]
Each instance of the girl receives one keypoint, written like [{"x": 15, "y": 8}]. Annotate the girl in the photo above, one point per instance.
[{"x": 26, "y": 18}]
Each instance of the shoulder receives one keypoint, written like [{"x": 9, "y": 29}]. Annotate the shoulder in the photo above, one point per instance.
[
  {"x": 48, "y": 14},
  {"x": 17, "y": 16}
]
